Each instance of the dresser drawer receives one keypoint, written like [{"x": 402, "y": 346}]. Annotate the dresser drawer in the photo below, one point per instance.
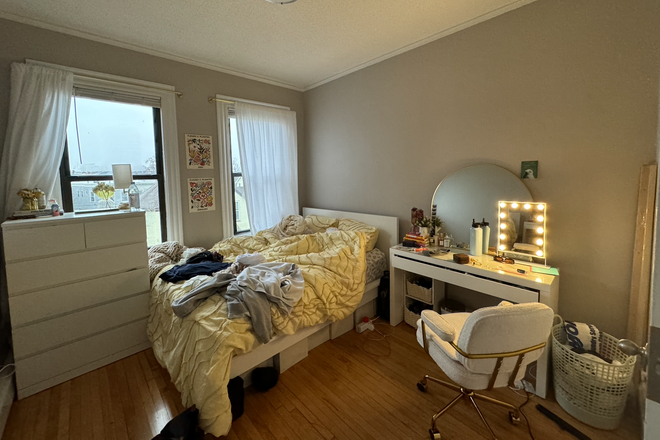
[
  {"x": 44, "y": 304},
  {"x": 45, "y": 335},
  {"x": 54, "y": 271},
  {"x": 115, "y": 232},
  {"x": 44, "y": 366},
  {"x": 21, "y": 244}
]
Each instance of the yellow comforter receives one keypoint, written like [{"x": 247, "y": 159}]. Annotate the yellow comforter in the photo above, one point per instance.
[{"x": 197, "y": 349}]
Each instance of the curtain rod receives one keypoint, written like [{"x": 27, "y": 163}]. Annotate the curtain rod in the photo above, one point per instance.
[
  {"x": 81, "y": 73},
  {"x": 177, "y": 93},
  {"x": 232, "y": 100},
  {"x": 221, "y": 100}
]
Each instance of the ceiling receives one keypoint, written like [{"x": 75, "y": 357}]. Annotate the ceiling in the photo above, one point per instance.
[{"x": 299, "y": 45}]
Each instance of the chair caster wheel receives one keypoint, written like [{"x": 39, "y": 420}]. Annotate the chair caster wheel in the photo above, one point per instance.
[
  {"x": 434, "y": 434},
  {"x": 515, "y": 420},
  {"x": 421, "y": 386}
]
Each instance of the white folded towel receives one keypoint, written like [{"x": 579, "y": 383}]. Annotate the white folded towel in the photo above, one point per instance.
[{"x": 582, "y": 335}]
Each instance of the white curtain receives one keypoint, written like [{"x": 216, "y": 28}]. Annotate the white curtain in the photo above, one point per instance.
[
  {"x": 268, "y": 148},
  {"x": 36, "y": 132},
  {"x": 225, "y": 187}
]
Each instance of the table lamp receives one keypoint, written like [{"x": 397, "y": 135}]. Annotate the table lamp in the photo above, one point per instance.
[{"x": 122, "y": 175}]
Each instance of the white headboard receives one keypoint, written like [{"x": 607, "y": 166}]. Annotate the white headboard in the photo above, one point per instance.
[{"x": 388, "y": 227}]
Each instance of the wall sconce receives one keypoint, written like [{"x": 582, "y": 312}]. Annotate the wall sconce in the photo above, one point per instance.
[{"x": 522, "y": 231}]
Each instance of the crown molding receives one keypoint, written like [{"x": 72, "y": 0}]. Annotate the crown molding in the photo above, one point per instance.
[{"x": 146, "y": 50}]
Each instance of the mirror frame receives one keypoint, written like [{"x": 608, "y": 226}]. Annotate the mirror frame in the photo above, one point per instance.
[{"x": 501, "y": 248}]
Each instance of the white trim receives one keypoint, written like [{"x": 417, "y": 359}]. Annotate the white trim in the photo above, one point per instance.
[
  {"x": 267, "y": 80},
  {"x": 103, "y": 76},
  {"x": 247, "y": 101},
  {"x": 452, "y": 30},
  {"x": 134, "y": 47},
  {"x": 170, "y": 134}
]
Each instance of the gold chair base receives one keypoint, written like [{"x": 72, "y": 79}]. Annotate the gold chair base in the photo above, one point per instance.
[{"x": 472, "y": 397}]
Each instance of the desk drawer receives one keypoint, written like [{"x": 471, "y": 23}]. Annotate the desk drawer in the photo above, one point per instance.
[{"x": 469, "y": 281}]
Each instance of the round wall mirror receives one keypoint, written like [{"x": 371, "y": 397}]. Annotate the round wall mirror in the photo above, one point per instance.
[{"x": 472, "y": 193}]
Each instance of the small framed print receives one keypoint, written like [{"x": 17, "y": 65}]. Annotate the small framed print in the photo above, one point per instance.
[
  {"x": 201, "y": 194},
  {"x": 529, "y": 169},
  {"x": 199, "y": 151}
]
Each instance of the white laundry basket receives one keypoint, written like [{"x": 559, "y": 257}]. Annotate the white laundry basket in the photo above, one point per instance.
[{"x": 593, "y": 392}]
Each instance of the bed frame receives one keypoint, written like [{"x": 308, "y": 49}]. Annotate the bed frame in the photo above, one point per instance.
[{"x": 286, "y": 350}]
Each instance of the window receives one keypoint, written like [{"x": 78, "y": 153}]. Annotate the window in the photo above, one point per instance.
[
  {"x": 102, "y": 132},
  {"x": 241, "y": 221}
]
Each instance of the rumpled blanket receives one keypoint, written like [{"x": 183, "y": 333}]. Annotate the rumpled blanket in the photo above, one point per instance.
[
  {"x": 197, "y": 349},
  {"x": 291, "y": 225}
]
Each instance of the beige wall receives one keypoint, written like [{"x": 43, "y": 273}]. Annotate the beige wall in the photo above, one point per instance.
[
  {"x": 572, "y": 84},
  {"x": 194, "y": 113}
]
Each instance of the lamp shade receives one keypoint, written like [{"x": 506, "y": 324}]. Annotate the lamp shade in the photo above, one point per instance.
[{"x": 122, "y": 174}]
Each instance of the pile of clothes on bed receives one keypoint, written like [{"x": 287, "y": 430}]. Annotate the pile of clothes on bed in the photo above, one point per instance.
[{"x": 310, "y": 270}]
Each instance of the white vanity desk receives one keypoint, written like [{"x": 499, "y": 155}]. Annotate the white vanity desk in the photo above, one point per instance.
[{"x": 491, "y": 278}]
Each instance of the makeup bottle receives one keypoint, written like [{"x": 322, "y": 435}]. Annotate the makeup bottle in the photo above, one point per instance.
[
  {"x": 486, "y": 235},
  {"x": 476, "y": 239}
]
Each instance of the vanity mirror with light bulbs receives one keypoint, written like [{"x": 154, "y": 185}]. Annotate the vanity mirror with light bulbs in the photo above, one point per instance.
[{"x": 521, "y": 231}]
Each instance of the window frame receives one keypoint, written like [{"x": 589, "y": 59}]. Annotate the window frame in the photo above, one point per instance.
[
  {"x": 66, "y": 178},
  {"x": 167, "y": 94}
]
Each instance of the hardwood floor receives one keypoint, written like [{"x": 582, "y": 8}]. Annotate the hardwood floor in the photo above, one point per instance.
[{"x": 349, "y": 388}]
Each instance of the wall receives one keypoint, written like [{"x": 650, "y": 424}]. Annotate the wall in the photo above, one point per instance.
[
  {"x": 194, "y": 113},
  {"x": 573, "y": 84}
]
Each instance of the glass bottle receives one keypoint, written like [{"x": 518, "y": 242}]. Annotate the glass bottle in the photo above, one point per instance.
[{"x": 134, "y": 196}]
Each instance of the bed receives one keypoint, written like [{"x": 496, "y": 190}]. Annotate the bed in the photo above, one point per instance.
[{"x": 204, "y": 350}]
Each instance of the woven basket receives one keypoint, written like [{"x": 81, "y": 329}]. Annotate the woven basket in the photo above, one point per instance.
[
  {"x": 410, "y": 317},
  {"x": 593, "y": 392},
  {"x": 420, "y": 293}
]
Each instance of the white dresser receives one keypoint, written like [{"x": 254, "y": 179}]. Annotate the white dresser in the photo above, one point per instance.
[{"x": 78, "y": 294}]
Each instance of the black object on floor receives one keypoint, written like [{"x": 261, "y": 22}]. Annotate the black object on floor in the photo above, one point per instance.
[
  {"x": 383, "y": 301},
  {"x": 182, "y": 427},
  {"x": 563, "y": 424},
  {"x": 264, "y": 378},
  {"x": 236, "y": 397}
]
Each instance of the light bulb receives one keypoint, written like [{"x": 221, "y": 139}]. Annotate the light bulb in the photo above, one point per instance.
[
  {"x": 539, "y": 253},
  {"x": 539, "y": 218},
  {"x": 540, "y": 207},
  {"x": 502, "y": 215},
  {"x": 539, "y": 230},
  {"x": 503, "y": 226},
  {"x": 539, "y": 242},
  {"x": 514, "y": 205},
  {"x": 502, "y": 247},
  {"x": 527, "y": 206},
  {"x": 502, "y": 205},
  {"x": 502, "y": 237}
]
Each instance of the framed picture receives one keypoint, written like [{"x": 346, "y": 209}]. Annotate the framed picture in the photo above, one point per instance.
[
  {"x": 201, "y": 194},
  {"x": 529, "y": 169},
  {"x": 199, "y": 151}
]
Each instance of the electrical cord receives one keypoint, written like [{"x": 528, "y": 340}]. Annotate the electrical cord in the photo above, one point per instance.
[
  {"x": 381, "y": 337},
  {"x": 520, "y": 408}
]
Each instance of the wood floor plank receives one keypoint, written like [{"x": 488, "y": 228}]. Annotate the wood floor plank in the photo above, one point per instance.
[{"x": 348, "y": 388}]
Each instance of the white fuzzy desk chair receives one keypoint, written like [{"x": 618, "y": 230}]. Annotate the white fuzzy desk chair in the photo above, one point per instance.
[{"x": 486, "y": 349}]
